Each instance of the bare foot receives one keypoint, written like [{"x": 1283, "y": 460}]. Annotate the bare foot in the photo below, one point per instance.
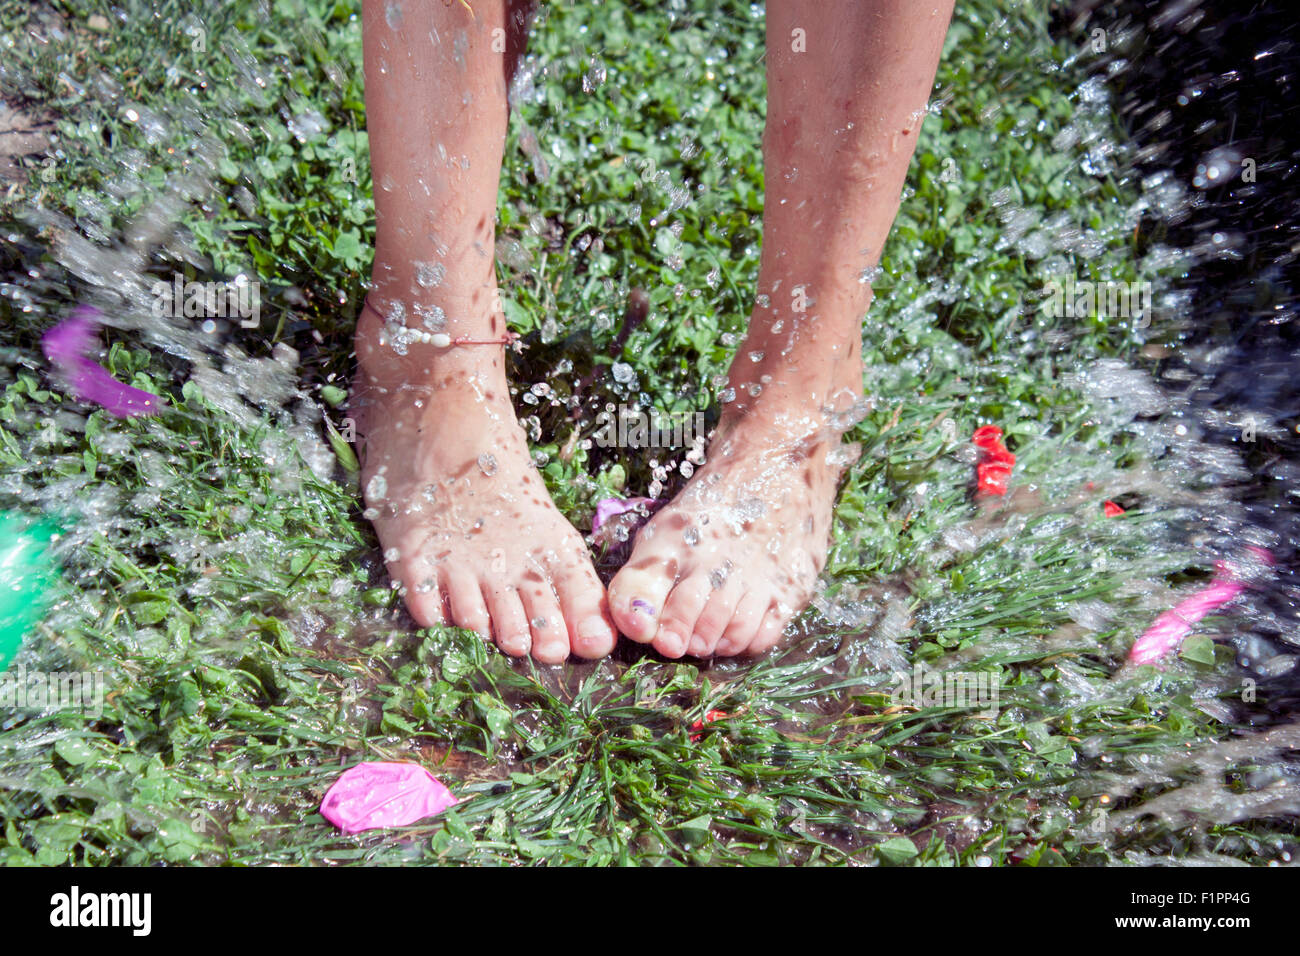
[
  {"x": 735, "y": 556},
  {"x": 464, "y": 518}
]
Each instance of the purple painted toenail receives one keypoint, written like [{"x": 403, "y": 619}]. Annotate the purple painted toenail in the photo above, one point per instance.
[{"x": 643, "y": 606}]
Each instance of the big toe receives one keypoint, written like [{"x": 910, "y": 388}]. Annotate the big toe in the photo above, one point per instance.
[
  {"x": 637, "y": 595},
  {"x": 586, "y": 613}
]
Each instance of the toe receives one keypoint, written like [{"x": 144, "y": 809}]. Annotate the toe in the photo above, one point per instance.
[
  {"x": 425, "y": 603},
  {"x": 582, "y": 598},
  {"x": 743, "y": 626},
  {"x": 713, "y": 620},
  {"x": 682, "y": 609},
  {"x": 509, "y": 622},
  {"x": 771, "y": 630},
  {"x": 550, "y": 640},
  {"x": 637, "y": 595},
  {"x": 466, "y": 604}
]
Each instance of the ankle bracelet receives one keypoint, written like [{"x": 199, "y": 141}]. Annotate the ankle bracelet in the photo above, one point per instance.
[{"x": 396, "y": 333}]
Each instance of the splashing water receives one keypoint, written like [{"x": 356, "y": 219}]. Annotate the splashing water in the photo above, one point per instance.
[{"x": 197, "y": 538}]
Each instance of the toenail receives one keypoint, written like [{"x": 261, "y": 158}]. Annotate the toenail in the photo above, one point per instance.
[
  {"x": 699, "y": 647},
  {"x": 643, "y": 607},
  {"x": 725, "y": 647},
  {"x": 672, "y": 643},
  {"x": 593, "y": 629}
]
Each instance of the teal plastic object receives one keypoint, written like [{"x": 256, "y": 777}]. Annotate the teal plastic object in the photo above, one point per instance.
[{"x": 27, "y": 576}]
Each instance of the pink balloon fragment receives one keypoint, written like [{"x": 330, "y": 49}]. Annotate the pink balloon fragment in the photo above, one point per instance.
[
  {"x": 374, "y": 794},
  {"x": 67, "y": 346},
  {"x": 1171, "y": 627}
]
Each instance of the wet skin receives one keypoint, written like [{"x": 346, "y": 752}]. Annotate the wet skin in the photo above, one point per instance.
[{"x": 725, "y": 566}]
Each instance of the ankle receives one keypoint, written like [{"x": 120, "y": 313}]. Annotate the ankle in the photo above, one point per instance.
[
  {"x": 810, "y": 377},
  {"x": 391, "y": 358}
]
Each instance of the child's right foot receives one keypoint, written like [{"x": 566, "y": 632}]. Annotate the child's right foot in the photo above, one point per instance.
[{"x": 464, "y": 518}]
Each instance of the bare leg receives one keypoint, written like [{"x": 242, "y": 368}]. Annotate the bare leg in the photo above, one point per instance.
[
  {"x": 464, "y": 518},
  {"x": 847, "y": 90}
]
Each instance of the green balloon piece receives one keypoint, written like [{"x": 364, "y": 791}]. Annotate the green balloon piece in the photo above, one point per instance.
[{"x": 27, "y": 576}]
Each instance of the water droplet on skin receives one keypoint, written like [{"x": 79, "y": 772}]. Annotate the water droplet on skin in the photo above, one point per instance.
[
  {"x": 392, "y": 554},
  {"x": 757, "y": 356},
  {"x": 691, "y": 536},
  {"x": 377, "y": 488},
  {"x": 487, "y": 464},
  {"x": 429, "y": 275},
  {"x": 432, "y": 317},
  {"x": 425, "y": 586},
  {"x": 717, "y": 578},
  {"x": 538, "y": 623}
]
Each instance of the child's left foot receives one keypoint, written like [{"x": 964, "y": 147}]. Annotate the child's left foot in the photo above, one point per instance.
[{"x": 735, "y": 556}]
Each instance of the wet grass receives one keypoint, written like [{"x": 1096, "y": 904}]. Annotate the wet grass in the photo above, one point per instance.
[{"x": 218, "y": 572}]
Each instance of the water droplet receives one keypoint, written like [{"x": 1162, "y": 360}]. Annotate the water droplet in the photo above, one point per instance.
[
  {"x": 432, "y": 317},
  {"x": 487, "y": 464},
  {"x": 429, "y": 275},
  {"x": 844, "y": 455},
  {"x": 307, "y": 126}
]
